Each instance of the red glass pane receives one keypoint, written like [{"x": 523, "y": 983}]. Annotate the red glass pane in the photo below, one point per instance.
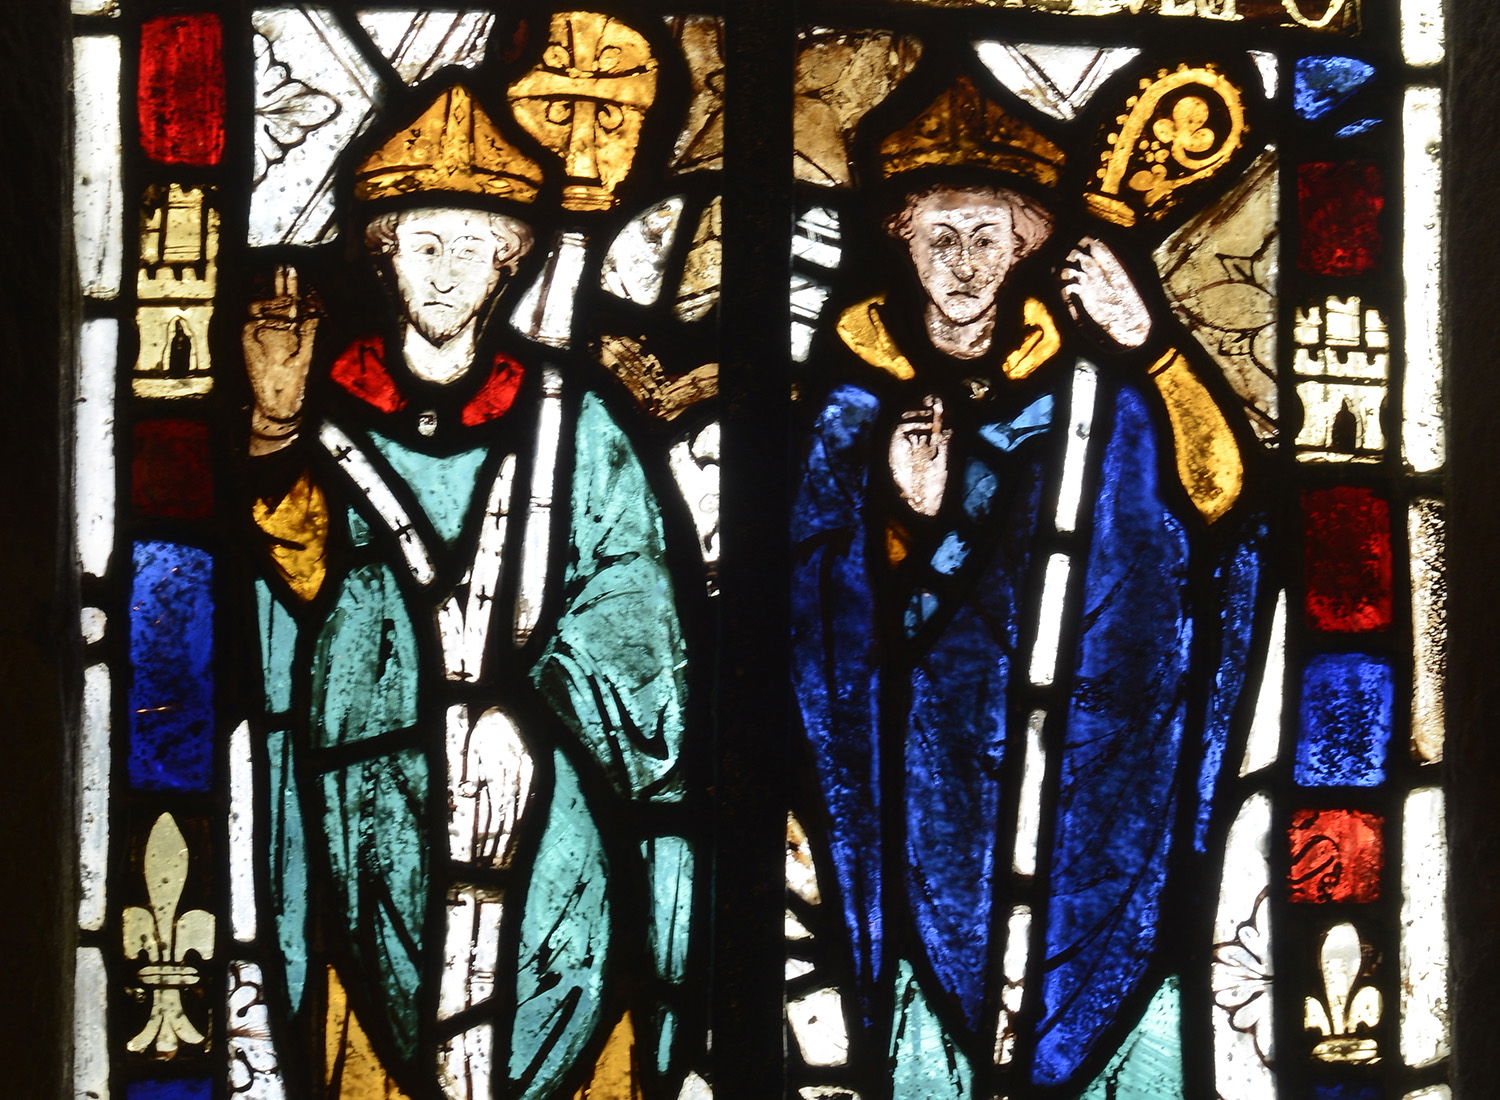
[
  {"x": 181, "y": 91},
  {"x": 170, "y": 474},
  {"x": 1337, "y": 855},
  {"x": 361, "y": 371},
  {"x": 1347, "y": 547},
  {"x": 1339, "y": 207}
]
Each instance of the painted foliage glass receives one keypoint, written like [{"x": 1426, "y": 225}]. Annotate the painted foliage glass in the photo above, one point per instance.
[
  {"x": 394, "y": 743},
  {"x": 1116, "y": 552},
  {"x": 1116, "y": 549}
]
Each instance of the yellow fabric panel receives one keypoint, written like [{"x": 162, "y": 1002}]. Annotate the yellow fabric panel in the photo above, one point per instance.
[
  {"x": 863, "y": 332},
  {"x": 616, "y": 1076},
  {"x": 351, "y": 1070},
  {"x": 1208, "y": 457},
  {"x": 1040, "y": 342},
  {"x": 297, "y": 526},
  {"x": 897, "y": 542}
]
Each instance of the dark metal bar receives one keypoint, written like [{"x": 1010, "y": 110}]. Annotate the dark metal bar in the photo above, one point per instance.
[{"x": 751, "y": 701}]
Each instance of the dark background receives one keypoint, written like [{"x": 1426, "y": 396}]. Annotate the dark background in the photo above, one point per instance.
[{"x": 36, "y": 605}]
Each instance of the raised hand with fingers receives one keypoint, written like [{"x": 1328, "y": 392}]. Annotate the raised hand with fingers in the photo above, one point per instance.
[
  {"x": 278, "y": 346},
  {"x": 1100, "y": 292},
  {"x": 919, "y": 455}
]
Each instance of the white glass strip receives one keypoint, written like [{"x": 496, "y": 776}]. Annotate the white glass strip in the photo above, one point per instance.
[
  {"x": 539, "y": 514},
  {"x": 1429, "y": 627},
  {"x": 694, "y": 460},
  {"x": 254, "y": 1071},
  {"x": 471, "y": 948},
  {"x": 92, "y": 622},
  {"x": 1029, "y": 810},
  {"x": 1265, "y": 64},
  {"x": 1264, "y": 741},
  {"x": 1435, "y": 1092},
  {"x": 419, "y": 43},
  {"x": 696, "y": 1088},
  {"x": 1017, "y": 952},
  {"x": 1049, "y": 624},
  {"x": 818, "y": 1026},
  {"x": 96, "y": 7},
  {"x": 1422, "y": 32},
  {"x": 90, "y": 1026},
  {"x": 1241, "y": 971},
  {"x": 98, "y": 200},
  {"x": 1424, "y": 929},
  {"x": 545, "y": 311},
  {"x": 1080, "y": 421},
  {"x": 241, "y": 835},
  {"x": 93, "y": 798},
  {"x": 94, "y": 436},
  {"x": 464, "y": 1063},
  {"x": 1422, "y": 233},
  {"x": 380, "y": 496}
]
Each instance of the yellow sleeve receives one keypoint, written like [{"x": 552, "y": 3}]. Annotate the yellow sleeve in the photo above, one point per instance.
[
  {"x": 296, "y": 527},
  {"x": 1208, "y": 455}
]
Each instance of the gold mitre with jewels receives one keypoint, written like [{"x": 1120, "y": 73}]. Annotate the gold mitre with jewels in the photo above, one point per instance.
[
  {"x": 964, "y": 128},
  {"x": 452, "y": 147}
]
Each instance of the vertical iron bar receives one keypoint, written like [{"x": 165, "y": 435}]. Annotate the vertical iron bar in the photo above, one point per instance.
[{"x": 752, "y": 676}]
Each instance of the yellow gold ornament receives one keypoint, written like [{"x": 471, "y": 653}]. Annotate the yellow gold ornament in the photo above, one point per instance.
[
  {"x": 964, "y": 128},
  {"x": 586, "y": 100},
  {"x": 1179, "y": 130},
  {"x": 453, "y": 146}
]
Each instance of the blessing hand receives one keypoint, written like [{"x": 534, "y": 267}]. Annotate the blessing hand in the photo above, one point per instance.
[
  {"x": 1098, "y": 289},
  {"x": 278, "y": 346},
  {"x": 918, "y": 456}
]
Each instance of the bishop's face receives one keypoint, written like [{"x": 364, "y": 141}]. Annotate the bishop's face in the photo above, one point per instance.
[
  {"x": 963, "y": 245},
  {"x": 448, "y": 264}
]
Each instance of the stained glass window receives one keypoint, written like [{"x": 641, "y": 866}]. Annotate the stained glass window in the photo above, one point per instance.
[{"x": 1081, "y": 459}]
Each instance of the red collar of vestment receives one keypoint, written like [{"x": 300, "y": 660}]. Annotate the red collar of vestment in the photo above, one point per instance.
[{"x": 361, "y": 371}]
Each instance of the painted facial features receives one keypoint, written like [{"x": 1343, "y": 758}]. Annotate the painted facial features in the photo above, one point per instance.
[
  {"x": 963, "y": 244},
  {"x": 447, "y": 265}
]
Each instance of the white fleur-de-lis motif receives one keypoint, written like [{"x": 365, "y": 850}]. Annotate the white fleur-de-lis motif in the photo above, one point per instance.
[
  {"x": 165, "y": 938},
  {"x": 286, "y": 110},
  {"x": 1344, "y": 1009},
  {"x": 1241, "y": 979}
]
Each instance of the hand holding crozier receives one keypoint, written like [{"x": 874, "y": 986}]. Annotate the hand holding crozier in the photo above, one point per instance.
[
  {"x": 278, "y": 346},
  {"x": 1099, "y": 290}
]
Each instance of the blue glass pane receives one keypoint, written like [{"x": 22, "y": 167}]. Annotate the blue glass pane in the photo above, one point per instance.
[
  {"x": 172, "y": 658},
  {"x": 185, "y": 1088},
  {"x": 1118, "y": 792},
  {"x": 1347, "y": 1092},
  {"x": 1348, "y": 700},
  {"x": 835, "y": 665},
  {"x": 1325, "y": 82},
  {"x": 1359, "y": 126},
  {"x": 1237, "y": 585}
]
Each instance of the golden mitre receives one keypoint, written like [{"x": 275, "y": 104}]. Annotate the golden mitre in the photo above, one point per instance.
[
  {"x": 964, "y": 128},
  {"x": 451, "y": 147}
]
